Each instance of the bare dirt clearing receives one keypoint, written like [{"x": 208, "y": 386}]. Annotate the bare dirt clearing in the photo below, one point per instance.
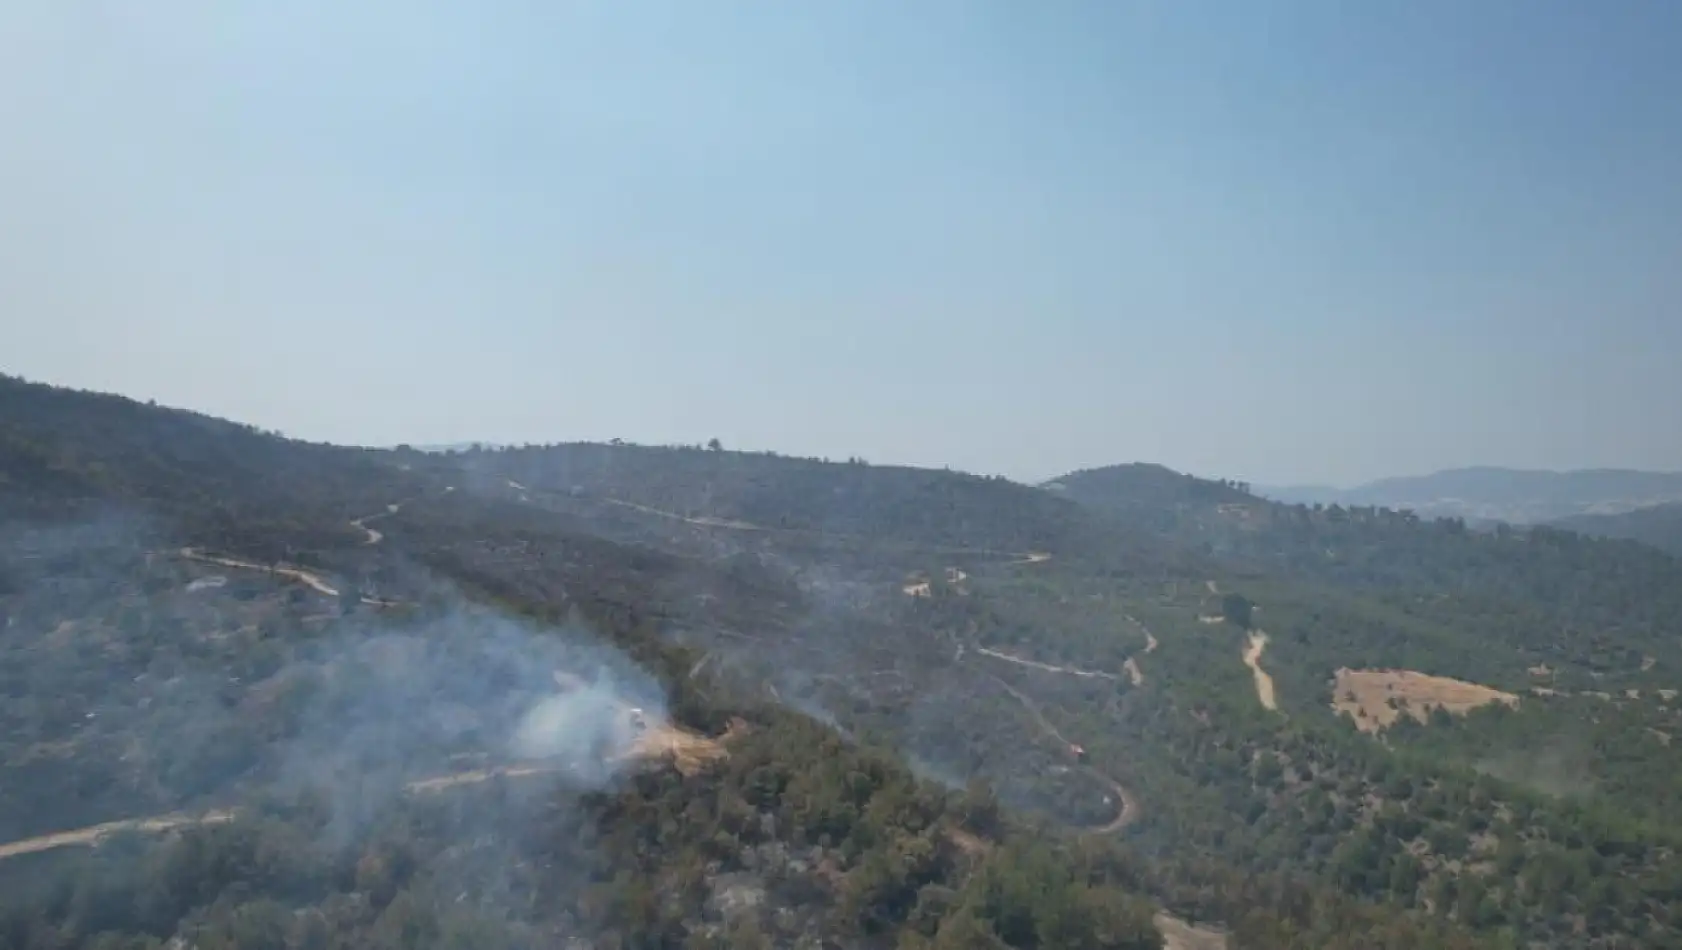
[
  {"x": 1179, "y": 935},
  {"x": 1377, "y": 698},
  {"x": 689, "y": 751},
  {"x": 1252, "y": 659}
]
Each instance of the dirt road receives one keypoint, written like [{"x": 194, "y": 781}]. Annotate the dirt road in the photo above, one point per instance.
[
  {"x": 374, "y": 536},
  {"x": 94, "y": 834},
  {"x": 308, "y": 579},
  {"x": 1134, "y": 673},
  {"x": 706, "y": 521},
  {"x": 1252, "y": 659},
  {"x": 1128, "y": 808},
  {"x": 689, "y": 751},
  {"x": 1047, "y": 667},
  {"x": 703, "y": 521},
  {"x": 1150, "y": 638}
]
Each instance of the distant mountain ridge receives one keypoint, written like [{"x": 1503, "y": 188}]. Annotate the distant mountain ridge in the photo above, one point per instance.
[{"x": 1489, "y": 493}]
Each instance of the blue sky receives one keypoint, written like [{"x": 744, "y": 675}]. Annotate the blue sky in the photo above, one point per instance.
[{"x": 1299, "y": 241}]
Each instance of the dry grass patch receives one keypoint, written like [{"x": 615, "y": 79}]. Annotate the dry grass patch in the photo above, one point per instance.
[{"x": 1377, "y": 698}]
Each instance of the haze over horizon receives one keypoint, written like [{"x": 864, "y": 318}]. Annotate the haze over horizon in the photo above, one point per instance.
[{"x": 1301, "y": 244}]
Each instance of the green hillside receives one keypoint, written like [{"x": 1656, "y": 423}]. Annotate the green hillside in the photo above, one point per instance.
[
  {"x": 1656, "y": 525},
  {"x": 920, "y": 708}
]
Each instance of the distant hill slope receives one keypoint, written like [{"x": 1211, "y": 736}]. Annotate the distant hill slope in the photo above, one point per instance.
[
  {"x": 1517, "y": 496},
  {"x": 1657, "y": 525},
  {"x": 1146, "y": 494},
  {"x": 135, "y": 678},
  {"x": 1158, "y": 687},
  {"x": 70, "y": 453},
  {"x": 881, "y": 503},
  {"x": 1588, "y": 604}
]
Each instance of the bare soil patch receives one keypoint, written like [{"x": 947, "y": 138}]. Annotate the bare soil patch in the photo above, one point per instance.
[
  {"x": 689, "y": 752},
  {"x": 1377, "y": 698},
  {"x": 1179, "y": 935},
  {"x": 1252, "y": 659}
]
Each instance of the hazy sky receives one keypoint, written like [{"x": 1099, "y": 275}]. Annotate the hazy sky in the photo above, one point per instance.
[{"x": 1288, "y": 241}]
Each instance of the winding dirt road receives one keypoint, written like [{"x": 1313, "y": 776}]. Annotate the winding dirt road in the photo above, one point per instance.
[
  {"x": 308, "y": 579},
  {"x": 1128, "y": 809},
  {"x": 1150, "y": 638},
  {"x": 1135, "y": 675},
  {"x": 374, "y": 536}
]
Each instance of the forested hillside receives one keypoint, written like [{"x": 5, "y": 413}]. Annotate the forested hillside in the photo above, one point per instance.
[
  {"x": 877, "y": 503},
  {"x": 1656, "y": 525},
  {"x": 681, "y": 697},
  {"x": 1520, "y": 685},
  {"x": 66, "y": 453}
]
